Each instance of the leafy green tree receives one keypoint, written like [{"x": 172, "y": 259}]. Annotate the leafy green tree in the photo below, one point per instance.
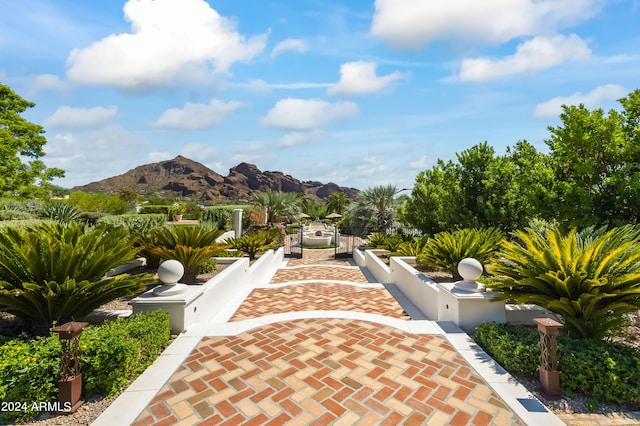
[
  {"x": 482, "y": 189},
  {"x": 19, "y": 139},
  {"x": 97, "y": 202},
  {"x": 595, "y": 158},
  {"x": 590, "y": 278},
  {"x": 55, "y": 273}
]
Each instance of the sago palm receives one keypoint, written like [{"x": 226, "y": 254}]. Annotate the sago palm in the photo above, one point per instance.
[
  {"x": 446, "y": 249},
  {"x": 590, "y": 278},
  {"x": 255, "y": 242},
  {"x": 190, "y": 245},
  {"x": 52, "y": 273}
]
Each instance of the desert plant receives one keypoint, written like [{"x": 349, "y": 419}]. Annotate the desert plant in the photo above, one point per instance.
[
  {"x": 377, "y": 241},
  {"x": 590, "y": 278},
  {"x": 255, "y": 242},
  {"x": 415, "y": 247},
  {"x": 446, "y": 249},
  {"x": 53, "y": 273},
  {"x": 220, "y": 216},
  {"x": 60, "y": 212},
  {"x": 190, "y": 245}
]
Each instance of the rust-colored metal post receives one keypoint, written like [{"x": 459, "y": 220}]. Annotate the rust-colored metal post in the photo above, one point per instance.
[
  {"x": 549, "y": 374},
  {"x": 70, "y": 382}
]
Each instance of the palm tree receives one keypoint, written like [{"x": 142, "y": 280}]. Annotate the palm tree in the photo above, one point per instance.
[
  {"x": 314, "y": 209},
  {"x": 337, "y": 202},
  {"x": 279, "y": 205},
  {"x": 381, "y": 199}
]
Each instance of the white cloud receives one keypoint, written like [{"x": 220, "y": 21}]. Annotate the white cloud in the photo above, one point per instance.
[
  {"x": 200, "y": 152},
  {"x": 290, "y": 44},
  {"x": 301, "y": 138},
  {"x": 553, "y": 107},
  {"x": 307, "y": 114},
  {"x": 113, "y": 148},
  {"x": 157, "y": 156},
  {"x": 48, "y": 82},
  {"x": 414, "y": 23},
  {"x": 532, "y": 55},
  {"x": 68, "y": 117},
  {"x": 420, "y": 163},
  {"x": 360, "y": 77},
  {"x": 169, "y": 40},
  {"x": 197, "y": 116}
]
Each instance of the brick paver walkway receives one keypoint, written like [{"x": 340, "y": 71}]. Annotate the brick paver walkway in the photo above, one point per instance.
[
  {"x": 323, "y": 371},
  {"x": 326, "y": 371}
]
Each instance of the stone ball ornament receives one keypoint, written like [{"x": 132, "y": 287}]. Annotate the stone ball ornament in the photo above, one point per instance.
[
  {"x": 170, "y": 272},
  {"x": 470, "y": 270}
]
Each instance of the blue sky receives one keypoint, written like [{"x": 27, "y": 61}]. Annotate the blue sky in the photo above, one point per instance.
[{"x": 359, "y": 93}]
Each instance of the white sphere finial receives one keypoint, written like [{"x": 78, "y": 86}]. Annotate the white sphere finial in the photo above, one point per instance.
[
  {"x": 470, "y": 270},
  {"x": 170, "y": 272}
]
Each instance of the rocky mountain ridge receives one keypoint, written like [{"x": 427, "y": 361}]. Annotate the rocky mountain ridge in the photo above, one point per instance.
[{"x": 187, "y": 178}]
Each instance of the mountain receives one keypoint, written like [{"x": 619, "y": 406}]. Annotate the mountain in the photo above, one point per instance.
[{"x": 184, "y": 177}]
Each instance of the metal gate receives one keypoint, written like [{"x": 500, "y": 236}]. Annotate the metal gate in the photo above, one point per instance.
[
  {"x": 345, "y": 244},
  {"x": 293, "y": 242}
]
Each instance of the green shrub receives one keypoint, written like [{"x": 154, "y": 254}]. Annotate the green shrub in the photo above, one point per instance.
[
  {"x": 138, "y": 225},
  {"x": 90, "y": 218},
  {"x": 115, "y": 353},
  {"x": 602, "y": 371},
  {"x": 54, "y": 273},
  {"x": 208, "y": 266},
  {"x": 515, "y": 348},
  {"x": 97, "y": 202},
  {"x": 112, "y": 356},
  {"x": 446, "y": 249},
  {"x": 33, "y": 206},
  {"x": 21, "y": 224},
  {"x": 28, "y": 373},
  {"x": 156, "y": 209},
  {"x": 590, "y": 278},
  {"x": 15, "y": 215}
]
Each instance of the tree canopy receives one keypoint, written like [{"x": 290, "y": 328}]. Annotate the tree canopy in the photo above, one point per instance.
[
  {"x": 20, "y": 139},
  {"x": 590, "y": 176}
]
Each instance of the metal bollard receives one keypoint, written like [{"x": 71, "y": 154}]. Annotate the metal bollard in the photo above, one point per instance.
[
  {"x": 70, "y": 383},
  {"x": 549, "y": 374}
]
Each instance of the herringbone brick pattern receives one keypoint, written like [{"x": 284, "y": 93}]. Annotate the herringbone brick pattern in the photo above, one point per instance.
[
  {"x": 318, "y": 297},
  {"x": 324, "y": 272},
  {"x": 326, "y": 371},
  {"x": 320, "y": 256}
]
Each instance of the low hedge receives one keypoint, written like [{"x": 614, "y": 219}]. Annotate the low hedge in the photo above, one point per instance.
[
  {"x": 602, "y": 371},
  {"x": 112, "y": 356},
  {"x": 15, "y": 215},
  {"x": 137, "y": 224}
]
